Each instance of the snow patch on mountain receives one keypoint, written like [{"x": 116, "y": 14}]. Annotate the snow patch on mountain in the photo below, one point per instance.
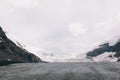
[
  {"x": 113, "y": 40},
  {"x": 105, "y": 57}
]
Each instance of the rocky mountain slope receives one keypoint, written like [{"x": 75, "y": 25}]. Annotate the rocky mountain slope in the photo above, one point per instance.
[
  {"x": 106, "y": 50},
  {"x": 11, "y": 53}
]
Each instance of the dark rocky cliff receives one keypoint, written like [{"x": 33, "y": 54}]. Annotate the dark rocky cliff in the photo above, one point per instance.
[{"x": 11, "y": 53}]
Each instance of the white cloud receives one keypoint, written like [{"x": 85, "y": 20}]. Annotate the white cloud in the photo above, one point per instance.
[
  {"x": 24, "y": 3},
  {"x": 5, "y": 8},
  {"x": 47, "y": 27},
  {"x": 102, "y": 28},
  {"x": 77, "y": 29},
  {"x": 108, "y": 28}
]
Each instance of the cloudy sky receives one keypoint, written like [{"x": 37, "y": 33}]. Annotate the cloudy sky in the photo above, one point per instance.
[{"x": 61, "y": 26}]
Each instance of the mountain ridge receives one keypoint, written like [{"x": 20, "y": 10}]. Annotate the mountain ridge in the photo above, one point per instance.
[
  {"x": 106, "y": 48},
  {"x": 11, "y": 53}
]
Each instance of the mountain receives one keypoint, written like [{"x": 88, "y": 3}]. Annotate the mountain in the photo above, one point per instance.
[
  {"x": 43, "y": 54},
  {"x": 12, "y": 53},
  {"x": 106, "y": 52}
]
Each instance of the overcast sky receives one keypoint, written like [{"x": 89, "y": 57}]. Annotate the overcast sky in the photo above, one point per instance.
[{"x": 61, "y": 26}]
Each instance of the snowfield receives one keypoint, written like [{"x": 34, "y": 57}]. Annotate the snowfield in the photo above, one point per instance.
[{"x": 61, "y": 71}]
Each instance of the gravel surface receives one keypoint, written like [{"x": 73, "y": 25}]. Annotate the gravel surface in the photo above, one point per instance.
[{"x": 61, "y": 71}]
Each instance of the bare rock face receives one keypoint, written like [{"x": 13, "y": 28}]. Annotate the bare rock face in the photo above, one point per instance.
[{"x": 11, "y": 53}]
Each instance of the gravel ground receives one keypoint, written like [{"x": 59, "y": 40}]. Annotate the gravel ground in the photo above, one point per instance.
[{"x": 61, "y": 71}]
